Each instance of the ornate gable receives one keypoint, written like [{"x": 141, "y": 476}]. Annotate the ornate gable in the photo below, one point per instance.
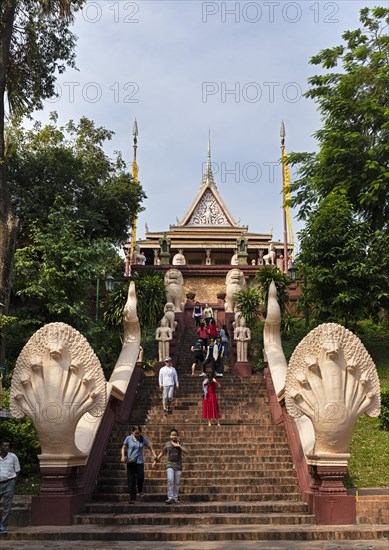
[{"x": 208, "y": 211}]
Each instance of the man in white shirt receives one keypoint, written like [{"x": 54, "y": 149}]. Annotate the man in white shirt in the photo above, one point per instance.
[
  {"x": 168, "y": 379},
  {"x": 9, "y": 471}
]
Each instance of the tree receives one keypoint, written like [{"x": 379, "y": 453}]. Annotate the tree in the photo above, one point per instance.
[
  {"x": 263, "y": 278},
  {"x": 248, "y": 302},
  {"x": 56, "y": 272},
  {"x": 343, "y": 280},
  {"x": 150, "y": 292},
  {"x": 354, "y": 140},
  {"x": 35, "y": 44},
  {"x": 69, "y": 161}
]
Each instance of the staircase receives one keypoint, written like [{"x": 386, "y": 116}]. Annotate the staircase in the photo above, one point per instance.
[{"x": 238, "y": 481}]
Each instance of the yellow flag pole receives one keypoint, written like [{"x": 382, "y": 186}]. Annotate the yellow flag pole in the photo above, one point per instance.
[
  {"x": 282, "y": 134},
  {"x": 135, "y": 172},
  {"x": 286, "y": 197}
]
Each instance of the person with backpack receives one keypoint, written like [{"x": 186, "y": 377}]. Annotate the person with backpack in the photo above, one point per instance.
[{"x": 198, "y": 355}]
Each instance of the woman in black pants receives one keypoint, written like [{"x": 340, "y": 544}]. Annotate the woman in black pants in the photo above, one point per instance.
[{"x": 132, "y": 455}]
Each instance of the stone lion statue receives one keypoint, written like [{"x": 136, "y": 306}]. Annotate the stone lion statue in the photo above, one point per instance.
[
  {"x": 174, "y": 288},
  {"x": 235, "y": 282},
  {"x": 179, "y": 259},
  {"x": 270, "y": 257}
]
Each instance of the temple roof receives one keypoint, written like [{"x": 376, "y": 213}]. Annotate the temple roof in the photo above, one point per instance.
[{"x": 208, "y": 208}]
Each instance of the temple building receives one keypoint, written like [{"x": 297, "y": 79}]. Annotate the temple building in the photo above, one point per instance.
[{"x": 207, "y": 235}]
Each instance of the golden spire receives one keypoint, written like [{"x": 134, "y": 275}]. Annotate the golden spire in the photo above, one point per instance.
[{"x": 208, "y": 175}]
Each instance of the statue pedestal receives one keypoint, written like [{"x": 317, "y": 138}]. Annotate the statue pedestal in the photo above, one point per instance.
[
  {"x": 165, "y": 258},
  {"x": 242, "y": 368},
  {"x": 242, "y": 258},
  {"x": 330, "y": 501}
]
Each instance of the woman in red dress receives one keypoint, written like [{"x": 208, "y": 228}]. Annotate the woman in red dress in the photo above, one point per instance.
[{"x": 210, "y": 404}]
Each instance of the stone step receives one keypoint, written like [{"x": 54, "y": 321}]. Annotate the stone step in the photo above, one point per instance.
[
  {"x": 191, "y": 487},
  {"x": 208, "y": 444},
  {"x": 200, "y": 533},
  {"x": 271, "y": 461},
  {"x": 203, "y": 479},
  {"x": 179, "y": 519},
  {"x": 108, "y": 470},
  {"x": 208, "y": 508},
  {"x": 209, "y": 496}
]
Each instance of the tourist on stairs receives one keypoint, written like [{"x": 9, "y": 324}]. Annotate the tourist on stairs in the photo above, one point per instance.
[
  {"x": 212, "y": 329},
  {"x": 220, "y": 357},
  {"x": 210, "y": 404},
  {"x": 202, "y": 332},
  {"x": 132, "y": 456},
  {"x": 211, "y": 357},
  {"x": 173, "y": 451},
  {"x": 198, "y": 356},
  {"x": 208, "y": 314},
  {"x": 168, "y": 379},
  {"x": 197, "y": 314}
]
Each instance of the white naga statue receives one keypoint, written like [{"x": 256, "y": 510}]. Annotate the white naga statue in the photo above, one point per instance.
[
  {"x": 170, "y": 316},
  {"x": 235, "y": 282},
  {"x": 174, "y": 288},
  {"x": 179, "y": 259},
  {"x": 332, "y": 380},
  {"x": 57, "y": 379},
  {"x": 270, "y": 257},
  {"x": 242, "y": 336},
  {"x": 163, "y": 335}
]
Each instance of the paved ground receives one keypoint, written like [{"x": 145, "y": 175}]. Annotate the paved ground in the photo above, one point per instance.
[{"x": 224, "y": 545}]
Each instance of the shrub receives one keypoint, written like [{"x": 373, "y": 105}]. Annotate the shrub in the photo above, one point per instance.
[
  {"x": 24, "y": 443},
  {"x": 384, "y": 416}
]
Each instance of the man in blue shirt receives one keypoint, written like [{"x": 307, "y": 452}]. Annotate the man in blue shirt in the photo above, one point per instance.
[{"x": 132, "y": 455}]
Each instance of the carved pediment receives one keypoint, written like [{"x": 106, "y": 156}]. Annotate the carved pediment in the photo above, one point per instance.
[{"x": 208, "y": 212}]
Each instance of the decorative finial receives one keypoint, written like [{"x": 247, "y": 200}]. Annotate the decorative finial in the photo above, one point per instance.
[
  {"x": 208, "y": 175},
  {"x": 135, "y": 129},
  {"x": 282, "y": 133}
]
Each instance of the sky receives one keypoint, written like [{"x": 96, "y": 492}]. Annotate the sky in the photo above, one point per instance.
[{"x": 184, "y": 68}]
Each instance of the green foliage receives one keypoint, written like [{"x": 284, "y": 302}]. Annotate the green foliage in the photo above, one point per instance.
[
  {"x": 342, "y": 281},
  {"x": 48, "y": 162},
  {"x": 41, "y": 46},
  {"x": 57, "y": 272},
  {"x": 384, "y": 416},
  {"x": 354, "y": 139},
  {"x": 248, "y": 302},
  {"x": 263, "y": 278},
  {"x": 369, "y": 450},
  {"x": 150, "y": 292},
  {"x": 256, "y": 346},
  {"x": 24, "y": 443}
]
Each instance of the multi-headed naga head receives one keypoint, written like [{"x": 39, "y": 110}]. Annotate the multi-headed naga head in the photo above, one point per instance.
[{"x": 331, "y": 379}]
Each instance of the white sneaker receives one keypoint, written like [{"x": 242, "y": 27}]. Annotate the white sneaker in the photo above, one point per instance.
[{"x": 202, "y": 374}]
